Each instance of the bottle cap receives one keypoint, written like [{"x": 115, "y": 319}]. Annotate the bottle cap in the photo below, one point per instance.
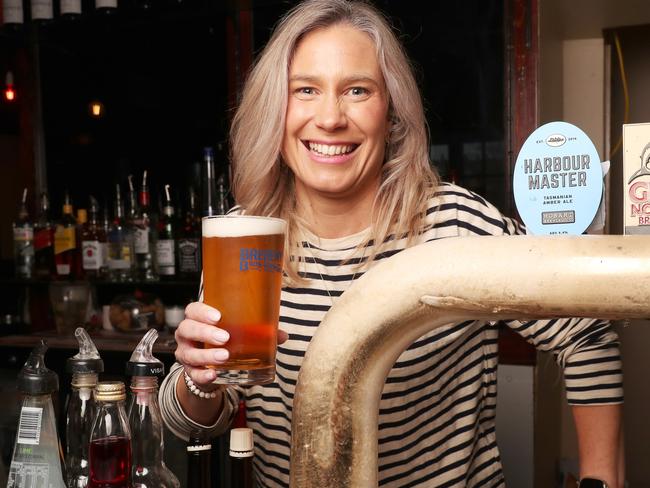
[
  {"x": 142, "y": 362},
  {"x": 87, "y": 360},
  {"x": 35, "y": 378},
  {"x": 241, "y": 442},
  {"x": 198, "y": 441},
  {"x": 110, "y": 391},
  {"x": 208, "y": 152}
]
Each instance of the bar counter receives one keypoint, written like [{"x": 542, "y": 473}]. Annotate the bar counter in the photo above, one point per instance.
[{"x": 104, "y": 341}]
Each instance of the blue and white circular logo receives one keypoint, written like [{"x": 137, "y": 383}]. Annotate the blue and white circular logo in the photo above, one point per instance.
[{"x": 558, "y": 180}]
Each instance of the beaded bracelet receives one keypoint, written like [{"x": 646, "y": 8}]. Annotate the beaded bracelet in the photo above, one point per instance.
[{"x": 195, "y": 390}]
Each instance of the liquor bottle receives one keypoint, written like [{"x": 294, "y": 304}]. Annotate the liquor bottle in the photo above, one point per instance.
[
  {"x": 65, "y": 241},
  {"x": 166, "y": 242},
  {"x": 133, "y": 203},
  {"x": 189, "y": 242},
  {"x": 92, "y": 242},
  {"x": 82, "y": 407},
  {"x": 145, "y": 420},
  {"x": 144, "y": 235},
  {"x": 44, "y": 264},
  {"x": 109, "y": 457},
  {"x": 82, "y": 221},
  {"x": 23, "y": 230},
  {"x": 36, "y": 459},
  {"x": 208, "y": 184},
  {"x": 241, "y": 457},
  {"x": 106, "y": 225},
  {"x": 199, "y": 461},
  {"x": 222, "y": 196},
  {"x": 120, "y": 244}
]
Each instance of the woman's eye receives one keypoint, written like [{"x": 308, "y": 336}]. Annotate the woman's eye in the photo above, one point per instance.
[
  {"x": 358, "y": 91},
  {"x": 305, "y": 90}
]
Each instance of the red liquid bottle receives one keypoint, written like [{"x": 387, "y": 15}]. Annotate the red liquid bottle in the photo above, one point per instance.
[
  {"x": 111, "y": 462},
  {"x": 109, "y": 456}
]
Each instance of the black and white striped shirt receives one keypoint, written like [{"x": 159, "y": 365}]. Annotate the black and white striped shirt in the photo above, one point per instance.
[{"x": 438, "y": 406}]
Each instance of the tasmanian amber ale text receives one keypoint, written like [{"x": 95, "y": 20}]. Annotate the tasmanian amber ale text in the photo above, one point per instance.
[{"x": 242, "y": 278}]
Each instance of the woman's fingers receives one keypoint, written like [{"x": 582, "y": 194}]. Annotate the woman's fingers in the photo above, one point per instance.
[
  {"x": 195, "y": 331},
  {"x": 201, "y": 312},
  {"x": 199, "y": 329},
  {"x": 282, "y": 336},
  {"x": 188, "y": 355}
]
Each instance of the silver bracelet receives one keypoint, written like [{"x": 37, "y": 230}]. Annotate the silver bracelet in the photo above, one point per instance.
[{"x": 195, "y": 390}]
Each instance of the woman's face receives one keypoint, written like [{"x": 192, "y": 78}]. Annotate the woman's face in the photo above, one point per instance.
[{"x": 336, "y": 123}]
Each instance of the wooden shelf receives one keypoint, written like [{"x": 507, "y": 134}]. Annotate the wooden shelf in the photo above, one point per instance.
[
  {"x": 100, "y": 283},
  {"x": 104, "y": 341}
]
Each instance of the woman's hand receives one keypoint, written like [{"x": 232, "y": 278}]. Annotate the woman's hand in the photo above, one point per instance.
[{"x": 201, "y": 326}]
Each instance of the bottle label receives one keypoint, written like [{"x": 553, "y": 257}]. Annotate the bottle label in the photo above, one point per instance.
[
  {"x": 165, "y": 256},
  {"x": 92, "y": 255},
  {"x": 188, "y": 255},
  {"x": 64, "y": 239},
  {"x": 70, "y": 6},
  {"x": 141, "y": 241},
  {"x": 43, "y": 238},
  {"x": 12, "y": 11},
  {"x": 23, "y": 241},
  {"x": 29, "y": 426},
  {"x": 42, "y": 9},
  {"x": 105, "y": 3},
  {"x": 62, "y": 269},
  {"x": 119, "y": 256}
]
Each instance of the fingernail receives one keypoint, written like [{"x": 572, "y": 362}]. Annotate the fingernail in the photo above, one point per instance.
[
  {"x": 214, "y": 316},
  {"x": 220, "y": 355},
  {"x": 210, "y": 375},
  {"x": 221, "y": 336}
]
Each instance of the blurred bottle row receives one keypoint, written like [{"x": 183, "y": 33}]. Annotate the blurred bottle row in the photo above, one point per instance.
[
  {"x": 18, "y": 12},
  {"x": 133, "y": 243}
]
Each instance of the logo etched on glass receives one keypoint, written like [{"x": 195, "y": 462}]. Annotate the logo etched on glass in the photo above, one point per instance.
[{"x": 267, "y": 260}]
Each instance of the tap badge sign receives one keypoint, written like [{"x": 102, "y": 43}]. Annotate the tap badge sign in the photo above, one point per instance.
[
  {"x": 636, "y": 178},
  {"x": 558, "y": 180}
]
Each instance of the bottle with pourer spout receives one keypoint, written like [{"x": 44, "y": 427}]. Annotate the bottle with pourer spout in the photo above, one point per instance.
[
  {"x": 36, "y": 459},
  {"x": 145, "y": 421},
  {"x": 80, "y": 413}
]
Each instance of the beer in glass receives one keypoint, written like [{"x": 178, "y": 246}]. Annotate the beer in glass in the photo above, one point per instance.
[{"x": 242, "y": 278}]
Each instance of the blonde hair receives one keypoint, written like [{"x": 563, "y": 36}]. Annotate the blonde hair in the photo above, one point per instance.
[{"x": 263, "y": 184}]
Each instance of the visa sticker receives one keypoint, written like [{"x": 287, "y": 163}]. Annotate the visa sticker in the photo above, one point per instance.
[{"x": 558, "y": 180}]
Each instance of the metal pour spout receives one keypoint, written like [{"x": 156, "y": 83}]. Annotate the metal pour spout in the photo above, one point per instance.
[{"x": 336, "y": 406}]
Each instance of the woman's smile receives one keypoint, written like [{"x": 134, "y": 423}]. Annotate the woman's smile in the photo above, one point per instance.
[{"x": 330, "y": 153}]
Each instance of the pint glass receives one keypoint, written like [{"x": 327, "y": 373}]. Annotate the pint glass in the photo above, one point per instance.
[{"x": 242, "y": 278}]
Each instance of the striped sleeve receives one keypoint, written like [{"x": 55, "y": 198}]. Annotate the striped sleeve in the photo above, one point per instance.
[
  {"x": 588, "y": 352},
  {"x": 178, "y": 422},
  {"x": 586, "y": 349}
]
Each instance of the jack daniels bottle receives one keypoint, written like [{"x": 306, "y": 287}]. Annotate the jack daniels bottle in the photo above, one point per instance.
[{"x": 189, "y": 241}]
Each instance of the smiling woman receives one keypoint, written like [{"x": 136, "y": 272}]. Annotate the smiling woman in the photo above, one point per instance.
[
  {"x": 348, "y": 83},
  {"x": 331, "y": 136}
]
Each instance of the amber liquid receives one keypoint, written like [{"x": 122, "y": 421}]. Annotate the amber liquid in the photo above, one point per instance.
[
  {"x": 110, "y": 463},
  {"x": 242, "y": 278}
]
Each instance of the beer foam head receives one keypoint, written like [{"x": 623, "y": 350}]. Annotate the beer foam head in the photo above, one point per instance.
[{"x": 242, "y": 225}]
